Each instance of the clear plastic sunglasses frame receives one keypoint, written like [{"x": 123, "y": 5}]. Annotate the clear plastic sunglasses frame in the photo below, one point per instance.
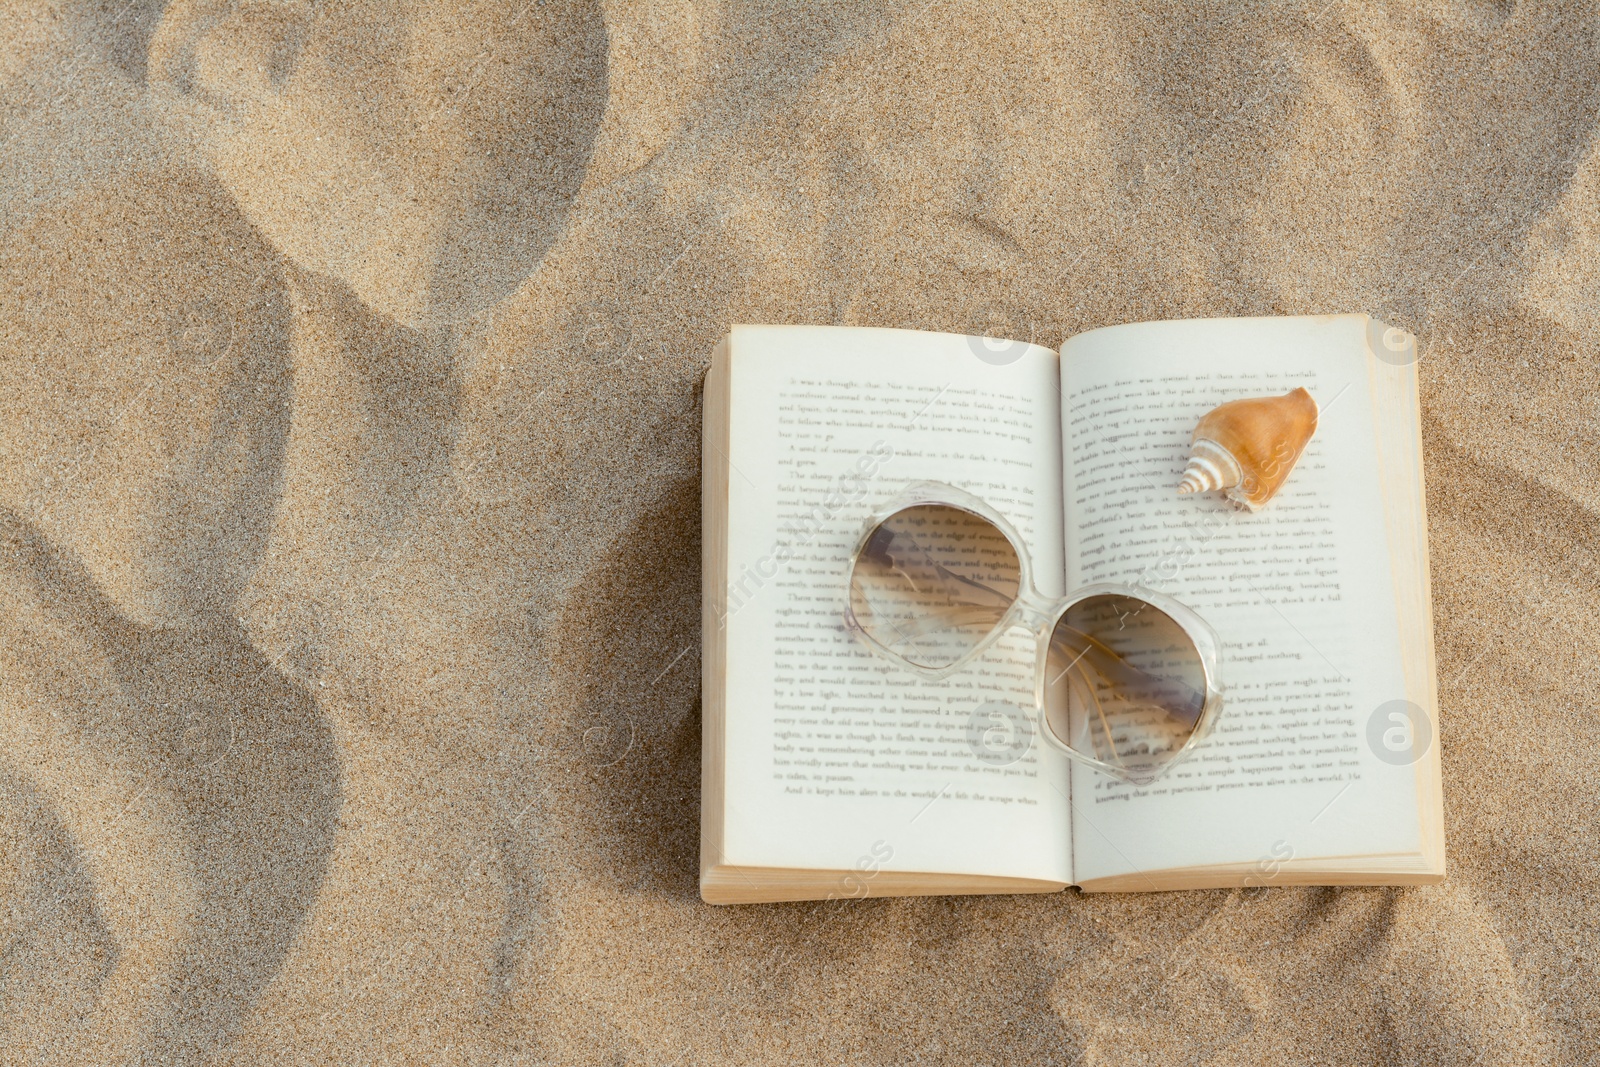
[{"x": 1038, "y": 615}]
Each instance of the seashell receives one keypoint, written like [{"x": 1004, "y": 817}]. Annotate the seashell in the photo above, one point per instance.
[{"x": 1248, "y": 447}]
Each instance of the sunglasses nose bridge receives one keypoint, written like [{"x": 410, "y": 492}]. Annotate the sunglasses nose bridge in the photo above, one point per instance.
[{"x": 1032, "y": 611}]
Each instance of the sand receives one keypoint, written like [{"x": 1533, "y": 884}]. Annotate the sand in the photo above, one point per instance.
[{"x": 349, "y": 507}]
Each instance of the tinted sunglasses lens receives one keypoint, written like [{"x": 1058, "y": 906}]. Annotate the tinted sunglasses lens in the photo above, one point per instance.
[
  {"x": 1126, "y": 685},
  {"x": 932, "y": 581}
]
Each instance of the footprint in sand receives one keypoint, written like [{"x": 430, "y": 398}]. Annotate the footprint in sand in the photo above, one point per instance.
[
  {"x": 144, "y": 386},
  {"x": 167, "y": 808},
  {"x": 167, "y": 797},
  {"x": 424, "y": 155}
]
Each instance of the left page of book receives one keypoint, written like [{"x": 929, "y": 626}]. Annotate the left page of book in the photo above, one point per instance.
[{"x": 834, "y": 758}]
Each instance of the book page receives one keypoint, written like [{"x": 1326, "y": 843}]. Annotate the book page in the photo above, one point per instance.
[
  {"x": 835, "y": 755},
  {"x": 1300, "y": 594}
]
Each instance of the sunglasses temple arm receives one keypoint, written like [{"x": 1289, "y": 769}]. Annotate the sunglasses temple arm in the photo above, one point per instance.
[
  {"x": 1118, "y": 670},
  {"x": 880, "y": 551},
  {"x": 946, "y": 572},
  {"x": 1086, "y": 689}
]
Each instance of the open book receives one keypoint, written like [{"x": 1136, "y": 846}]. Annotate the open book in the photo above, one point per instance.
[{"x": 830, "y": 772}]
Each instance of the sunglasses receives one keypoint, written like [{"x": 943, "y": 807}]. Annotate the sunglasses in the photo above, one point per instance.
[{"x": 1126, "y": 677}]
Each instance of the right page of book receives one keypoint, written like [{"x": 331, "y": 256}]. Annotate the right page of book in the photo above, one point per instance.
[{"x": 1300, "y": 593}]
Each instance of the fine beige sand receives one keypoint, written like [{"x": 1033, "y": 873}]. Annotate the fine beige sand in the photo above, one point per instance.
[{"x": 349, "y": 460}]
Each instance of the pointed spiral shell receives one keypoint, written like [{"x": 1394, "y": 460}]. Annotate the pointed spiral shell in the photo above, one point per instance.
[
  {"x": 1246, "y": 448},
  {"x": 1210, "y": 467}
]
